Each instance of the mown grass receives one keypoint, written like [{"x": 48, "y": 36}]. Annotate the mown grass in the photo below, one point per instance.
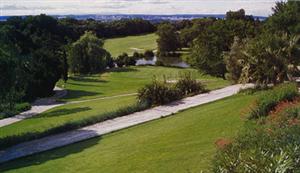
[
  {"x": 62, "y": 119},
  {"x": 130, "y": 44},
  {"x": 128, "y": 80},
  {"x": 180, "y": 143}
]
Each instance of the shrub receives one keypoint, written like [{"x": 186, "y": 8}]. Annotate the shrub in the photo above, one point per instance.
[
  {"x": 149, "y": 54},
  {"x": 126, "y": 60},
  {"x": 269, "y": 99},
  {"x": 261, "y": 150},
  {"x": 158, "y": 93},
  {"x": 18, "y": 108},
  {"x": 159, "y": 63},
  {"x": 187, "y": 85}
]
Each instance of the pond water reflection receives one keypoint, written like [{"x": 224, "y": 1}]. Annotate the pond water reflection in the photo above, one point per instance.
[{"x": 168, "y": 61}]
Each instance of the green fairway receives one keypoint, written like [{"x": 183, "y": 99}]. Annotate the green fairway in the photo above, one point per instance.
[
  {"x": 130, "y": 44},
  {"x": 180, "y": 143},
  {"x": 128, "y": 80}
]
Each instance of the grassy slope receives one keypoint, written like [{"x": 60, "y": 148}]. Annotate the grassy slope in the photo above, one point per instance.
[
  {"x": 181, "y": 143},
  {"x": 127, "y": 80},
  {"x": 114, "y": 83},
  {"x": 117, "y": 46},
  {"x": 65, "y": 114}
]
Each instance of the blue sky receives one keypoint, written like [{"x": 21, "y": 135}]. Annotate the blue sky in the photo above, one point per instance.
[{"x": 31, "y": 7}]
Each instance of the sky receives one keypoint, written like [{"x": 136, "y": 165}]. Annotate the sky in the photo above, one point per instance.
[{"x": 62, "y": 7}]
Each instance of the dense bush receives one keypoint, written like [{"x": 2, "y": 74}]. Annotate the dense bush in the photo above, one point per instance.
[
  {"x": 187, "y": 85},
  {"x": 149, "y": 54},
  {"x": 13, "y": 140},
  {"x": 269, "y": 99},
  {"x": 125, "y": 59},
  {"x": 18, "y": 108},
  {"x": 158, "y": 93}
]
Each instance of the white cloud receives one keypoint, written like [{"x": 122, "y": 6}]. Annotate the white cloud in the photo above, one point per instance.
[{"x": 31, "y": 7}]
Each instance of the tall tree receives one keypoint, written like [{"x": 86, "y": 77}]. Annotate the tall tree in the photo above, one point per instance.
[
  {"x": 168, "y": 40},
  {"x": 87, "y": 55}
]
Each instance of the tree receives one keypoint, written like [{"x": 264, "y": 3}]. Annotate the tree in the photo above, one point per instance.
[
  {"x": 168, "y": 40},
  {"x": 37, "y": 42},
  {"x": 285, "y": 18},
  {"x": 87, "y": 55},
  {"x": 126, "y": 60},
  {"x": 270, "y": 59},
  {"x": 234, "y": 60},
  {"x": 12, "y": 80},
  {"x": 148, "y": 54}
]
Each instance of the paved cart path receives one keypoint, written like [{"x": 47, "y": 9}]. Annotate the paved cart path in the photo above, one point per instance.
[
  {"x": 45, "y": 104},
  {"x": 66, "y": 138}
]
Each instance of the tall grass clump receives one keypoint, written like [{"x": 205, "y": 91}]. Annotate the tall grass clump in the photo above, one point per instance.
[
  {"x": 269, "y": 99},
  {"x": 158, "y": 93},
  {"x": 161, "y": 92},
  {"x": 188, "y": 85}
]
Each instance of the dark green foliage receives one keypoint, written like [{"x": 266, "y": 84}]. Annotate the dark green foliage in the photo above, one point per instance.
[
  {"x": 87, "y": 55},
  {"x": 285, "y": 18},
  {"x": 37, "y": 45},
  {"x": 213, "y": 39},
  {"x": 125, "y": 27},
  {"x": 158, "y": 93},
  {"x": 13, "y": 81},
  {"x": 137, "y": 55},
  {"x": 126, "y": 60},
  {"x": 149, "y": 54},
  {"x": 159, "y": 63},
  {"x": 269, "y": 99},
  {"x": 188, "y": 85},
  {"x": 18, "y": 108},
  {"x": 13, "y": 140},
  {"x": 168, "y": 40}
]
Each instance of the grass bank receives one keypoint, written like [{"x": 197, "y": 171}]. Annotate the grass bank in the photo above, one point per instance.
[{"x": 180, "y": 143}]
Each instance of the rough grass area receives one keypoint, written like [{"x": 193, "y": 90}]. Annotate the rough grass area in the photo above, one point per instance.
[
  {"x": 128, "y": 80},
  {"x": 181, "y": 143},
  {"x": 130, "y": 44}
]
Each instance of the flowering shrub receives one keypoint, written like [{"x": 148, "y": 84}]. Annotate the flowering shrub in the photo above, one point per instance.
[{"x": 269, "y": 99}]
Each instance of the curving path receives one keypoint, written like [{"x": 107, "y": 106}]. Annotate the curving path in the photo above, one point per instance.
[
  {"x": 39, "y": 106},
  {"x": 44, "y": 104},
  {"x": 66, "y": 138}
]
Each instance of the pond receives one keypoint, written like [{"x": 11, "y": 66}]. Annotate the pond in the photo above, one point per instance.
[{"x": 168, "y": 61}]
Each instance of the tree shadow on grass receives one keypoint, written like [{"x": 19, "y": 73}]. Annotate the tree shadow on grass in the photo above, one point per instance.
[
  {"x": 62, "y": 112},
  {"x": 43, "y": 157},
  {"x": 86, "y": 79},
  {"x": 75, "y": 94}
]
